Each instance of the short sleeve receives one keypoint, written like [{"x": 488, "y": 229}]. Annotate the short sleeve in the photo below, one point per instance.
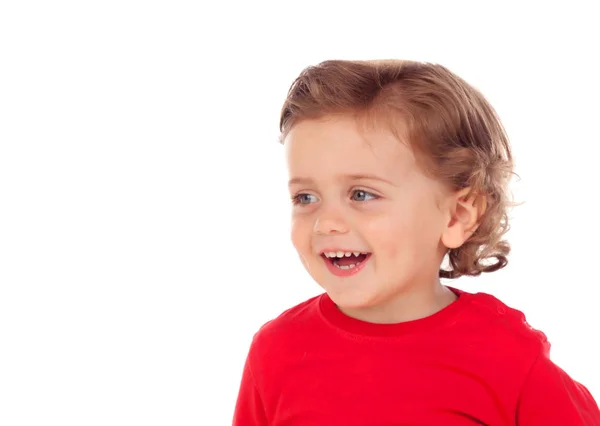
[
  {"x": 249, "y": 410},
  {"x": 550, "y": 397}
]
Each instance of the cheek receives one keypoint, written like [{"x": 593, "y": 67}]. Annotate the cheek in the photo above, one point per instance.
[
  {"x": 300, "y": 233},
  {"x": 401, "y": 233},
  {"x": 385, "y": 235},
  {"x": 301, "y": 239}
]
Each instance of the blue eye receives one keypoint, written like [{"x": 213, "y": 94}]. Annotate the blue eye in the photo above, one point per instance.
[
  {"x": 360, "y": 195},
  {"x": 303, "y": 199}
]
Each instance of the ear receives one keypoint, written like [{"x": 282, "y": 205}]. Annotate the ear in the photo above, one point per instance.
[{"x": 464, "y": 211}]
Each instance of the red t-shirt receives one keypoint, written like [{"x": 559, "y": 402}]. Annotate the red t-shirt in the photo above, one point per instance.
[{"x": 475, "y": 362}]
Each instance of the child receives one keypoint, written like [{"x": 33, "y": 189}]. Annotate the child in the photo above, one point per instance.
[{"x": 395, "y": 166}]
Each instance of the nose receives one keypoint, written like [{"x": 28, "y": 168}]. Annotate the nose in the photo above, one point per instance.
[{"x": 329, "y": 221}]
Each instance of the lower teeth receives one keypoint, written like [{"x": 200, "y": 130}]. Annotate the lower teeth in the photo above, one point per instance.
[{"x": 353, "y": 265}]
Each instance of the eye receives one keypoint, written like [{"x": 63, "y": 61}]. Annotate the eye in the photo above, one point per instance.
[
  {"x": 303, "y": 199},
  {"x": 360, "y": 195}
]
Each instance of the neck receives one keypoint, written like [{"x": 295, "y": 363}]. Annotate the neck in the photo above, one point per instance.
[{"x": 408, "y": 304}]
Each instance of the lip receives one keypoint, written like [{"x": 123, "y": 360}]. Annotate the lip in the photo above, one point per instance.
[{"x": 345, "y": 272}]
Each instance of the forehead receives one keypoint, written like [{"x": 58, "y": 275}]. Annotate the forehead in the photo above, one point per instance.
[{"x": 338, "y": 145}]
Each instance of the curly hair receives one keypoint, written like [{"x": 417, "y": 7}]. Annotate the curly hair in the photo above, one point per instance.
[{"x": 455, "y": 133}]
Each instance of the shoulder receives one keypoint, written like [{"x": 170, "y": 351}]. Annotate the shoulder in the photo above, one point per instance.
[
  {"x": 292, "y": 325},
  {"x": 505, "y": 326},
  {"x": 498, "y": 343}
]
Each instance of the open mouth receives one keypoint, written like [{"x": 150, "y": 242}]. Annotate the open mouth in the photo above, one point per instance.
[{"x": 345, "y": 260}]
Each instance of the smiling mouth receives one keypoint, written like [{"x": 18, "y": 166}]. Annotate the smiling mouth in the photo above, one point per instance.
[{"x": 345, "y": 260}]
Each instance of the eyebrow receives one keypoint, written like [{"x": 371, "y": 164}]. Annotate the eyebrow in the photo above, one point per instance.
[{"x": 304, "y": 180}]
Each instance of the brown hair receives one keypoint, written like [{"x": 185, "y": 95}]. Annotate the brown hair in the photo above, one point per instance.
[{"x": 456, "y": 132}]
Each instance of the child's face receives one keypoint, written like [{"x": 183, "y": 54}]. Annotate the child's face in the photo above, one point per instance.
[{"x": 361, "y": 191}]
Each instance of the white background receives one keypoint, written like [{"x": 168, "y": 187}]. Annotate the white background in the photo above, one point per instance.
[{"x": 143, "y": 204}]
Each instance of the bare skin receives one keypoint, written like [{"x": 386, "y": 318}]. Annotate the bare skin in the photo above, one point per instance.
[{"x": 363, "y": 191}]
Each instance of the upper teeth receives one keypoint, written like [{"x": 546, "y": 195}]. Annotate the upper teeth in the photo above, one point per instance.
[{"x": 342, "y": 253}]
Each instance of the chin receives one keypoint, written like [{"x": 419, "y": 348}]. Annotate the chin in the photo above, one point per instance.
[{"x": 351, "y": 298}]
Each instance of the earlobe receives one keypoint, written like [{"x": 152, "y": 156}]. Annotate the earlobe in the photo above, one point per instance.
[{"x": 465, "y": 210}]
